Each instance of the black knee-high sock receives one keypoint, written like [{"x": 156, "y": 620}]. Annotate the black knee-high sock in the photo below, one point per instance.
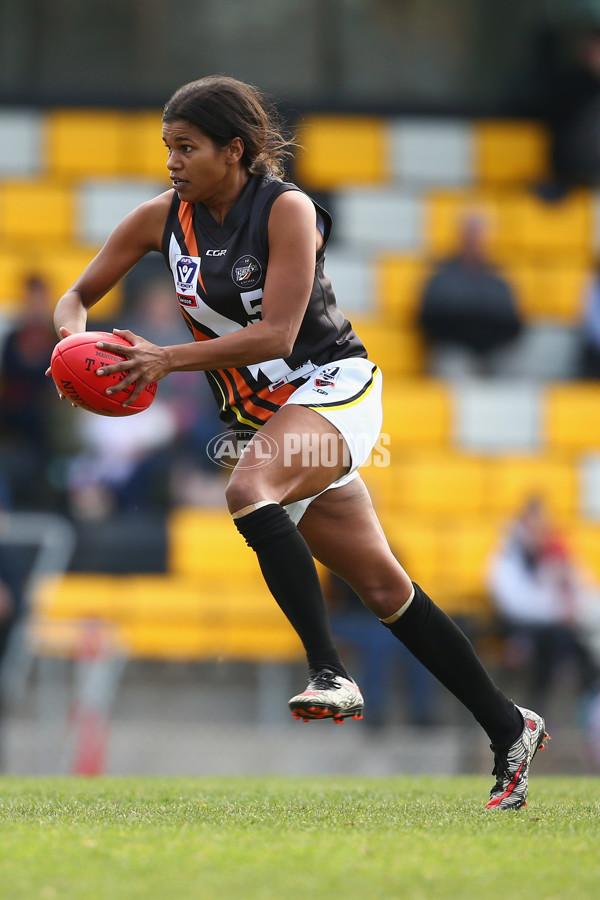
[
  {"x": 441, "y": 646},
  {"x": 289, "y": 570}
]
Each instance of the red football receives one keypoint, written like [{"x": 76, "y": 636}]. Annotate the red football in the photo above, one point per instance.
[{"x": 73, "y": 365}]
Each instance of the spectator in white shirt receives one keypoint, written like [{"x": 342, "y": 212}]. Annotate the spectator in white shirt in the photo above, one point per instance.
[{"x": 535, "y": 589}]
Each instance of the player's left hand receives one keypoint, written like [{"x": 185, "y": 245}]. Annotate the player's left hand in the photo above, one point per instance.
[{"x": 144, "y": 363}]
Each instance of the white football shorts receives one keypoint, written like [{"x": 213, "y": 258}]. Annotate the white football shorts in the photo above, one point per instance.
[{"x": 348, "y": 394}]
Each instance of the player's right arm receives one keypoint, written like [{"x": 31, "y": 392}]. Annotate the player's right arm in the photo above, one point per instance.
[{"x": 140, "y": 232}]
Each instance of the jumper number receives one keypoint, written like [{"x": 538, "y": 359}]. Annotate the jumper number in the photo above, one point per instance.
[
  {"x": 273, "y": 369},
  {"x": 252, "y": 305}
]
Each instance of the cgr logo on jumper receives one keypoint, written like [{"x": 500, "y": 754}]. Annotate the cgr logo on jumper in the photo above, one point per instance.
[
  {"x": 327, "y": 377},
  {"x": 246, "y": 271}
]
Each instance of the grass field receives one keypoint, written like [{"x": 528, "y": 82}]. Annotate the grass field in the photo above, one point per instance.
[{"x": 315, "y": 839}]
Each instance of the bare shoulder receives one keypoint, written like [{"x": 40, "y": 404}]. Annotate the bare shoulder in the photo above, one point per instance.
[
  {"x": 290, "y": 207},
  {"x": 293, "y": 200}
]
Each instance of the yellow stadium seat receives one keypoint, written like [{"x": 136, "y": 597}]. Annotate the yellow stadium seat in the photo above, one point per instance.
[
  {"x": 255, "y": 627},
  {"x": 466, "y": 546},
  {"x": 364, "y": 159},
  {"x": 34, "y": 209},
  {"x": 508, "y": 152},
  {"x": 560, "y": 291},
  {"x": 447, "y": 557},
  {"x": 11, "y": 282},
  {"x": 417, "y": 413},
  {"x": 572, "y": 417},
  {"x": 206, "y": 543},
  {"x": 85, "y": 142},
  {"x": 167, "y": 617},
  {"x": 562, "y": 230},
  {"x": 214, "y": 599},
  {"x": 512, "y": 480},
  {"x": 553, "y": 290},
  {"x": 207, "y": 618},
  {"x": 415, "y": 542},
  {"x": 410, "y": 355},
  {"x": 522, "y": 227},
  {"x": 440, "y": 484},
  {"x": 160, "y": 640},
  {"x": 399, "y": 282},
  {"x": 59, "y": 267},
  {"x": 85, "y": 596},
  {"x": 584, "y": 540},
  {"x": 250, "y": 642},
  {"x": 379, "y": 478},
  {"x": 63, "y": 266},
  {"x": 167, "y": 598},
  {"x": 397, "y": 351},
  {"x": 522, "y": 277},
  {"x": 142, "y": 131},
  {"x": 445, "y": 209},
  {"x": 249, "y": 602},
  {"x": 161, "y": 617},
  {"x": 254, "y": 641}
]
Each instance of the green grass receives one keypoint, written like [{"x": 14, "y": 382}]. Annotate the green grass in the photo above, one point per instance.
[{"x": 291, "y": 838}]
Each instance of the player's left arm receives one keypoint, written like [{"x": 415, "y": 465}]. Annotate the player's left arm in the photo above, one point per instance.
[
  {"x": 290, "y": 274},
  {"x": 135, "y": 236}
]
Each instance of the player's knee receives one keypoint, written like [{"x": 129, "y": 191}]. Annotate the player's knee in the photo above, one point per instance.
[
  {"x": 243, "y": 490},
  {"x": 385, "y": 598},
  {"x": 237, "y": 495}
]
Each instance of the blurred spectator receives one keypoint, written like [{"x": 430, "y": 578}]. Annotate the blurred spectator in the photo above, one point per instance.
[
  {"x": 468, "y": 311},
  {"x": 589, "y": 363},
  {"x": 156, "y": 316},
  {"x": 26, "y": 442},
  {"x": 7, "y": 615},
  {"x": 149, "y": 461},
  {"x": 376, "y": 658},
  {"x": 570, "y": 63},
  {"x": 10, "y": 608},
  {"x": 536, "y": 589},
  {"x": 122, "y": 466},
  {"x": 594, "y": 731}
]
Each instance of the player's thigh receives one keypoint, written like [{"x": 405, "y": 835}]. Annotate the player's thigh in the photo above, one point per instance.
[
  {"x": 344, "y": 533},
  {"x": 306, "y": 454}
]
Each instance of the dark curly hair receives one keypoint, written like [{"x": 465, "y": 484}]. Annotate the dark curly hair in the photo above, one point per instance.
[{"x": 224, "y": 108}]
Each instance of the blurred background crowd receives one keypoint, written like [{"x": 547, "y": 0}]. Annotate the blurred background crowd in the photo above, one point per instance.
[{"x": 457, "y": 146}]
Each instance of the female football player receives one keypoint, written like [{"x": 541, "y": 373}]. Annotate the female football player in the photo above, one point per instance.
[{"x": 246, "y": 251}]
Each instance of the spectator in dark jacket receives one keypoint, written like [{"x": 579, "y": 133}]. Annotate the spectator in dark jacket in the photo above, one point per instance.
[
  {"x": 589, "y": 331},
  {"x": 468, "y": 310},
  {"x": 27, "y": 435}
]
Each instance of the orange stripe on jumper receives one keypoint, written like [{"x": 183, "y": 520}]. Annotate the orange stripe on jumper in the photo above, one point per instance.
[
  {"x": 277, "y": 397},
  {"x": 186, "y": 220},
  {"x": 199, "y": 336}
]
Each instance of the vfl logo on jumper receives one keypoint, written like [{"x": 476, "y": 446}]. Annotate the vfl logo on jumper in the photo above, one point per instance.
[
  {"x": 229, "y": 448},
  {"x": 246, "y": 271},
  {"x": 327, "y": 378},
  {"x": 187, "y": 269}
]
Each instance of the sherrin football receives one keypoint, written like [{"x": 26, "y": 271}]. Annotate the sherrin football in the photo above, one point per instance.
[{"x": 73, "y": 365}]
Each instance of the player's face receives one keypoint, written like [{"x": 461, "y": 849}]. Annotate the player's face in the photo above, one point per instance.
[{"x": 199, "y": 169}]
